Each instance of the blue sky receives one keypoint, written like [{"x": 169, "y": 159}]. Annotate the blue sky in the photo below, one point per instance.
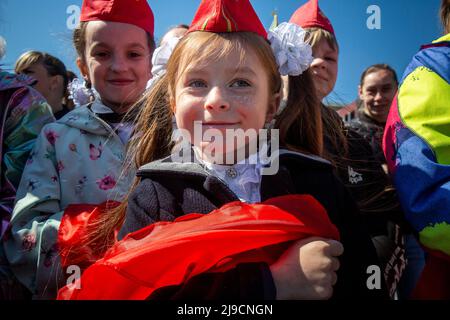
[{"x": 404, "y": 25}]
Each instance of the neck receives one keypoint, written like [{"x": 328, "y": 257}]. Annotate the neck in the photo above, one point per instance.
[
  {"x": 117, "y": 108},
  {"x": 56, "y": 106}
]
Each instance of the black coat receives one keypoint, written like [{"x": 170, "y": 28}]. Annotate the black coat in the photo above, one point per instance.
[{"x": 169, "y": 190}]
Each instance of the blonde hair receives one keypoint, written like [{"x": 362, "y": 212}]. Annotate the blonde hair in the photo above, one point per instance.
[
  {"x": 315, "y": 35},
  {"x": 154, "y": 121}
]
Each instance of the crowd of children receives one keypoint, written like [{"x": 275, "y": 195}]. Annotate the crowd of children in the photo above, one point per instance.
[{"x": 225, "y": 176}]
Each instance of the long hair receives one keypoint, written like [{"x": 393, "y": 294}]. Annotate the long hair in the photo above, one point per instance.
[
  {"x": 154, "y": 121},
  {"x": 151, "y": 141},
  {"x": 334, "y": 133},
  {"x": 444, "y": 14},
  {"x": 299, "y": 123}
]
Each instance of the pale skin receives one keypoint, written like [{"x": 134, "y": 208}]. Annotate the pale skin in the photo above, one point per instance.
[
  {"x": 223, "y": 97},
  {"x": 376, "y": 93},
  {"x": 118, "y": 66},
  {"x": 324, "y": 67},
  {"x": 307, "y": 270},
  {"x": 51, "y": 87}
]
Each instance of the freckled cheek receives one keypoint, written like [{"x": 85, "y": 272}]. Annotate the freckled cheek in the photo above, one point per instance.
[
  {"x": 188, "y": 110},
  {"x": 243, "y": 101}
]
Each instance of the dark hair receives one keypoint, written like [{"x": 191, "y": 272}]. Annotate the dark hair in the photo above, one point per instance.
[
  {"x": 375, "y": 68},
  {"x": 444, "y": 13},
  {"x": 53, "y": 65},
  {"x": 79, "y": 40},
  {"x": 299, "y": 123}
]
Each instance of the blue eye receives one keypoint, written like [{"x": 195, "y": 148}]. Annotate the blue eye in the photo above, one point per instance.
[
  {"x": 197, "y": 84},
  {"x": 240, "y": 83}
]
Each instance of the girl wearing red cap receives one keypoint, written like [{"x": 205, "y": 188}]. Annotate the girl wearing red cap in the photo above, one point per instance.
[
  {"x": 224, "y": 75},
  {"x": 349, "y": 152},
  {"x": 79, "y": 158}
]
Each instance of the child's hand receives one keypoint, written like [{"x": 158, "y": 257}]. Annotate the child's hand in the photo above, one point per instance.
[{"x": 307, "y": 270}]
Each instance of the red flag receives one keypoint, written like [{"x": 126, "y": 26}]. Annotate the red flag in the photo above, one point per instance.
[
  {"x": 171, "y": 253},
  {"x": 73, "y": 232}
]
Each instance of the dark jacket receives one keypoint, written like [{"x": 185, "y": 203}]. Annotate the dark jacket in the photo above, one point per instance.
[
  {"x": 360, "y": 169},
  {"x": 169, "y": 190},
  {"x": 372, "y": 131}
]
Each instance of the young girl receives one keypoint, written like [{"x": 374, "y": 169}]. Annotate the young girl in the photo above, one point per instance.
[
  {"x": 79, "y": 158},
  {"x": 233, "y": 83},
  {"x": 349, "y": 152}
]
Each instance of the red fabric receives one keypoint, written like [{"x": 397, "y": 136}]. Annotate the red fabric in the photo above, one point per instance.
[
  {"x": 227, "y": 16},
  {"x": 72, "y": 232},
  {"x": 310, "y": 16},
  {"x": 170, "y": 253},
  {"x": 135, "y": 12},
  {"x": 434, "y": 282}
]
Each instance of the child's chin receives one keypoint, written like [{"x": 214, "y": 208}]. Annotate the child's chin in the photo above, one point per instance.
[{"x": 218, "y": 154}]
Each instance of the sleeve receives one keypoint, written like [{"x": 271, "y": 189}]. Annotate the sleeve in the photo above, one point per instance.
[
  {"x": 417, "y": 147},
  {"x": 21, "y": 131},
  {"x": 143, "y": 208},
  {"x": 246, "y": 282},
  {"x": 21, "y": 138},
  {"x": 30, "y": 244}
]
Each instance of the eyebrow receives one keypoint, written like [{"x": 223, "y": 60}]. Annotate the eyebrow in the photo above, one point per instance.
[
  {"x": 244, "y": 70},
  {"x": 130, "y": 45}
]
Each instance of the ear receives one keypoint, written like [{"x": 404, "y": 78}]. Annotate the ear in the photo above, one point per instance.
[
  {"x": 83, "y": 69},
  {"x": 56, "y": 82},
  {"x": 272, "y": 108},
  {"x": 360, "y": 93}
]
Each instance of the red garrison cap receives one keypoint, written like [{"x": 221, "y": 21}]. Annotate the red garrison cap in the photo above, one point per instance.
[
  {"x": 227, "y": 16},
  {"x": 135, "y": 12},
  {"x": 310, "y": 16}
]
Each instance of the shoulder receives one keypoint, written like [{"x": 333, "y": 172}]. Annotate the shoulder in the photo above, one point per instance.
[
  {"x": 433, "y": 57},
  {"x": 287, "y": 157},
  {"x": 167, "y": 166}
]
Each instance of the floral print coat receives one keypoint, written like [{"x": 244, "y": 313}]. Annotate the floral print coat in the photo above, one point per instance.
[{"x": 76, "y": 160}]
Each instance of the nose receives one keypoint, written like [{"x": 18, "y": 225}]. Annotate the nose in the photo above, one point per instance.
[
  {"x": 378, "y": 96},
  {"x": 216, "y": 100},
  {"x": 118, "y": 63},
  {"x": 318, "y": 63}
]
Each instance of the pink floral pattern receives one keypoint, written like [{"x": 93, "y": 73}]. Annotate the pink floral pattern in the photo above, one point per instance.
[
  {"x": 73, "y": 147},
  {"x": 107, "y": 183},
  {"x": 60, "y": 166},
  {"x": 51, "y": 136},
  {"x": 95, "y": 152}
]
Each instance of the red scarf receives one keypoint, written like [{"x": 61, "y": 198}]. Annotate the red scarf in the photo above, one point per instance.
[{"x": 170, "y": 253}]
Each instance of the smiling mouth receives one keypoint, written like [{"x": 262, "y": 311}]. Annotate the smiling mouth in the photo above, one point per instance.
[
  {"x": 321, "y": 77},
  {"x": 219, "y": 123},
  {"x": 120, "y": 82}
]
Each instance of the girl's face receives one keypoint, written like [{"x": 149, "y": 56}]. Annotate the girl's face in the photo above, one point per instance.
[
  {"x": 377, "y": 93},
  {"x": 117, "y": 62},
  {"x": 44, "y": 80},
  {"x": 224, "y": 94},
  {"x": 324, "y": 68}
]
